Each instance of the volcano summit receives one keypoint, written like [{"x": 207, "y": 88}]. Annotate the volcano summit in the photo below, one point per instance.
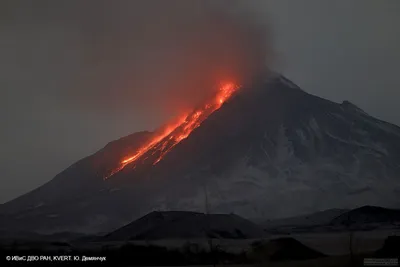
[{"x": 268, "y": 150}]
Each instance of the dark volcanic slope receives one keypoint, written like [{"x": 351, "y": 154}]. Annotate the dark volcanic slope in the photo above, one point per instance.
[
  {"x": 271, "y": 151},
  {"x": 182, "y": 225},
  {"x": 64, "y": 200}
]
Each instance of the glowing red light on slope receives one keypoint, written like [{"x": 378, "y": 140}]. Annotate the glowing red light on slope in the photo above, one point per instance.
[{"x": 164, "y": 141}]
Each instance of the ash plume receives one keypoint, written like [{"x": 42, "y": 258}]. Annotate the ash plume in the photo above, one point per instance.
[
  {"x": 155, "y": 58},
  {"x": 170, "y": 54}
]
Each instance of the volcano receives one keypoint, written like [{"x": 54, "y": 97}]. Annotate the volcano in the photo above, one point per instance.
[{"x": 268, "y": 150}]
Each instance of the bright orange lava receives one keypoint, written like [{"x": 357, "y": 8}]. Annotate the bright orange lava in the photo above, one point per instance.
[{"x": 164, "y": 141}]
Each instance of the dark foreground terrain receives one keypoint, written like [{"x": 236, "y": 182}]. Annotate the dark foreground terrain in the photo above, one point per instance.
[
  {"x": 283, "y": 251},
  {"x": 177, "y": 238}
]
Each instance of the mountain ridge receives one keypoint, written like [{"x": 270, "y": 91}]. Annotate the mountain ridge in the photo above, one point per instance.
[{"x": 270, "y": 143}]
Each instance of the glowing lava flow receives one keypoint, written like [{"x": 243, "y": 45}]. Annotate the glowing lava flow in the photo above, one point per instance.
[{"x": 163, "y": 142}]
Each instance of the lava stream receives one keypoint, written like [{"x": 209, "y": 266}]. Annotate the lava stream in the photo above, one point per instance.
[{"x": 164, "y": 141}]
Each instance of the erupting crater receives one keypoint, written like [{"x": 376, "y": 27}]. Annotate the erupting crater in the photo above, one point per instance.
[{"x": 164, "y": 140}]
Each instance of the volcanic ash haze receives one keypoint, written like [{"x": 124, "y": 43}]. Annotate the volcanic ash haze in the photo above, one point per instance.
[{"x": 161, "y": 58}]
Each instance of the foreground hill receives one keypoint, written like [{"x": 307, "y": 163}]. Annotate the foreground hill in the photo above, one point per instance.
[
  {"x": 186, "y": 225},
  {"x": 308, "y": 220},
  {"x": 368, "y": 215},
  {"x": 363, "y": 218}
]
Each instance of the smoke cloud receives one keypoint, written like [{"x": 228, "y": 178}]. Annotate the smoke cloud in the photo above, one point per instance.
[{"x": 150, "y": 57}]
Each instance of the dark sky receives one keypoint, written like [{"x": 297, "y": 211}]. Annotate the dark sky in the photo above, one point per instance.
[{"x": 70, "y": 69}]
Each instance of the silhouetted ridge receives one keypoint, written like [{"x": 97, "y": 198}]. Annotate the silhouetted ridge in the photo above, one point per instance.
[
  {"x": 391, "y": 248},
  {"x": 368, "y": 214},
  {"x": 182, "y": 225},
  {"x": 284, "y": 249}
]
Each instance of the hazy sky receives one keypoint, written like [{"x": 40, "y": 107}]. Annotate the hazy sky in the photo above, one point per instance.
[{"x": 57, "y": 104}]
